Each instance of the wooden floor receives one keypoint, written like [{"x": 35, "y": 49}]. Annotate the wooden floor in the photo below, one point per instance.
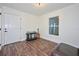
[{"x": 39, "y": 47}]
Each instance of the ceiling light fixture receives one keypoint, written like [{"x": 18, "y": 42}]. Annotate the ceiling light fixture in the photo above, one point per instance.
[{"x": 39, "y": 5}]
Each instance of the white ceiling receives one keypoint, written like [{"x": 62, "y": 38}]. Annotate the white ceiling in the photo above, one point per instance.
[{"x": 29, "y": 8}]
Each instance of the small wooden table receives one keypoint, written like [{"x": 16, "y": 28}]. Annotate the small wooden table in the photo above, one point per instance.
[{"x": 31, "y": 36}]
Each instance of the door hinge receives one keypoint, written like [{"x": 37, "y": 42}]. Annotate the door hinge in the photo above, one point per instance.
[
  {"x": 0, "y": 29},
  {"x": 0, "y": 13}
]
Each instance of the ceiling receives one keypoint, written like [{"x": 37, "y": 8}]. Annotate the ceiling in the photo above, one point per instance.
[{"x": 29, "y": 7}]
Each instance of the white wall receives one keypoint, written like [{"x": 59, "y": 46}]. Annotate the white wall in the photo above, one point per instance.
[
  {"x": 68, "y": 25},
  {"x": 28, "y": 22}
]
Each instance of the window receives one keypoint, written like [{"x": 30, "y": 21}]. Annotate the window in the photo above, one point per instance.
[{"x": 54, "y": 25}]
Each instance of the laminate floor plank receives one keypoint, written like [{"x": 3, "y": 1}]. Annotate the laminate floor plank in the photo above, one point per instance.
[{"x": 39, "y": 47}]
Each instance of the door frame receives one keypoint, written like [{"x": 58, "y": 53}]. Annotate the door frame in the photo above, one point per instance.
[{"x": 1, "y": 29}]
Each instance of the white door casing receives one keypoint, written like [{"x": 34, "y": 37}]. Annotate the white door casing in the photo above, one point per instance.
[{"x": 0, "y": 28}]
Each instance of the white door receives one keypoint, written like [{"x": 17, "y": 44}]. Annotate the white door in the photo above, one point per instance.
[{"x": 11, "y": 28}]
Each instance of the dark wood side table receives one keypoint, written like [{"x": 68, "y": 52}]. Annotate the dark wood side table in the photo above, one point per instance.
[{"x": 31, "y": 36}]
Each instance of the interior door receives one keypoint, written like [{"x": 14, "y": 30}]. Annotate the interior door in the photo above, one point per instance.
[{"x": 11, "y": 28}]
